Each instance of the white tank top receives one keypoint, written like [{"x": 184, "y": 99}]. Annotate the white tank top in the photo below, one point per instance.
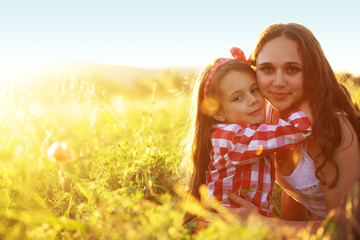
[{"x": 302, "y": 183}]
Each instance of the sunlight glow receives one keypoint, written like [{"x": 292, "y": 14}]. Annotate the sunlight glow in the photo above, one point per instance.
[{"x": 21, "y": 71}]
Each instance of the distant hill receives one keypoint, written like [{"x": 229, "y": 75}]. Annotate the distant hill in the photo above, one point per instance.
[{"x": 123, "y": 75}]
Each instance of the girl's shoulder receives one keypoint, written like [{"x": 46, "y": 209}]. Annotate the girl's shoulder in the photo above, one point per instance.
[
  {"x": 233, "y": 127},
  {"x": 221, "y": 129}
]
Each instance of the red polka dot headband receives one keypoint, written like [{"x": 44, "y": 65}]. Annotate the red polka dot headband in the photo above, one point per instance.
[{"x": 238, "y": 55}]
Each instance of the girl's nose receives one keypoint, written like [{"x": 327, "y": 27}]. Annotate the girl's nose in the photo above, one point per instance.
[
  {"x": 252, "y": 100},
  {"x": 279, "y": 80}
]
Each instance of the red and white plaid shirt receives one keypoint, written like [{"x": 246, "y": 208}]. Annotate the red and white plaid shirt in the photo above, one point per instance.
[{"x": 242, "y": 158}]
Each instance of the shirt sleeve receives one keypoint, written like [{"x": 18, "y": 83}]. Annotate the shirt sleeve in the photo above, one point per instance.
[{"x": 254, "y": 141}]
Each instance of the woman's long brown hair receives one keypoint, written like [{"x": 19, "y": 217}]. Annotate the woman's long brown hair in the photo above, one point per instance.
[
  {"x": 326, "y": 95},
  {"x": 199, "y": 135}
]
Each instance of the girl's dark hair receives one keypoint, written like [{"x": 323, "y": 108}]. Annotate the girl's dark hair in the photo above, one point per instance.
[
  {"x": 198, "y": 140},
  {"x": 326, "y": 95}
]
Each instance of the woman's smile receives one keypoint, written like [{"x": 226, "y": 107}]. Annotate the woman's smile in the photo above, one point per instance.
[{"x": 279, "y": 95}]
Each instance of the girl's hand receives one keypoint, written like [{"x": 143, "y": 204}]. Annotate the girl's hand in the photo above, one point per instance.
[
  {"x": 305, "y": 107},
  {"x": 245, "y": 209}
]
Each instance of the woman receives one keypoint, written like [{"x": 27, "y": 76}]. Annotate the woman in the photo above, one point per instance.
[{"x": 292, "y": 69}]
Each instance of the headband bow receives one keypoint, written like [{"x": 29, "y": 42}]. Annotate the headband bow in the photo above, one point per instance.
[{"x": 237, "y": 54}]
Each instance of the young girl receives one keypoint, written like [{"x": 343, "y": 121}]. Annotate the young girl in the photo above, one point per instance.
[{"x": 231, "y": 149}]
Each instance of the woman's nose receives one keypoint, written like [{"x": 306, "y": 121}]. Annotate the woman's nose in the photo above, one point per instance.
[{"x": 279, "y": 80}]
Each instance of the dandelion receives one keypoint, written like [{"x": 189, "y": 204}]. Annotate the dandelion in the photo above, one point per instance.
[{"x": 59, "y": 152}]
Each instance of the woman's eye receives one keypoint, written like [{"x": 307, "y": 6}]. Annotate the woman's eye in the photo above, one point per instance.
[
  {"x": 266, "y": 69},
  {"x": 293, "y": 69}
]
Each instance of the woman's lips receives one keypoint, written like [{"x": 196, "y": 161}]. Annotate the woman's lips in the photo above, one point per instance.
[{"x": 279, "y": 95}]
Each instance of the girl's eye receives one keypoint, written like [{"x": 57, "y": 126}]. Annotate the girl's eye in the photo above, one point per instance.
[
  {"x": 255, "y": 90},
  {"x": 238, "y": 98}
]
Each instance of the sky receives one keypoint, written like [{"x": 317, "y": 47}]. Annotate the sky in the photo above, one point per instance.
[{"x": 156, "y": 34}]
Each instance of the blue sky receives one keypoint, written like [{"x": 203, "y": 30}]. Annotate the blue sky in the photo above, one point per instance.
[{"x": 168, "y": 33}]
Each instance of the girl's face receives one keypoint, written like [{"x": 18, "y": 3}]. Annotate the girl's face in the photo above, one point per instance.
[
  {"x": 279, "y": 71},
  {"x": 241, "y": 100}
]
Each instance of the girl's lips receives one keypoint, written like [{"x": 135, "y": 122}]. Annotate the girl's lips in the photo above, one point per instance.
[
  {"x": 279, "y": 95},
  {"x": 256, "y": 111}
]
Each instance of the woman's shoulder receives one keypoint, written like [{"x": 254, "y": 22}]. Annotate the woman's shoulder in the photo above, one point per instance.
[
  {"x": 340, "y": 113},
  {"x": 271, "y": 114},
  {"x": 348, "y": 133}
]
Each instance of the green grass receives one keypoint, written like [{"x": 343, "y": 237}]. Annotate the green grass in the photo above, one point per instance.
[{"x": 127, "y": 160}]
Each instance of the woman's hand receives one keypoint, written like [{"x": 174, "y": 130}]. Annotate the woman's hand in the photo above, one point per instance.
[{"x": 292, "y": 227}]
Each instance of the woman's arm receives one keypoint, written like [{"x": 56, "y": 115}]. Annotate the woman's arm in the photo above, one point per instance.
[
  {"x": 292, "y": 210},
  {"x": 247, "y": 209},
  {"x": 347, "y": 158}
]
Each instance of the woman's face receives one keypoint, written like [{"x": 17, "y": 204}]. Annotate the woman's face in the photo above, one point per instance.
[{"x": 279, "y": 70}]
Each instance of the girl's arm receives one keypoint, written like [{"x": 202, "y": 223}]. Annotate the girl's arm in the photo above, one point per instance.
[
  {"x": 251, "y": 142},
  {"x": 305, "y": 107}
]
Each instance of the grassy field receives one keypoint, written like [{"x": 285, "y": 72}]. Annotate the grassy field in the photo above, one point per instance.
[{"x": 123, "y": 163}]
